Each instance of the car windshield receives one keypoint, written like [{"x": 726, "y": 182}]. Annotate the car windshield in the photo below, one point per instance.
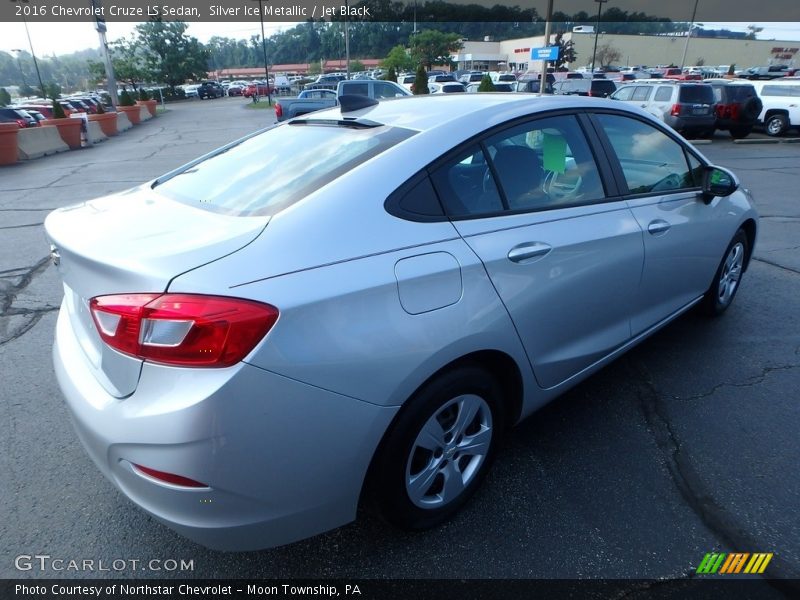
[{"x": 265, "y": 173}]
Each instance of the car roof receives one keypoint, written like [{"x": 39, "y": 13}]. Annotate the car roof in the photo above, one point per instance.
[{"x": 431, "y": 111}]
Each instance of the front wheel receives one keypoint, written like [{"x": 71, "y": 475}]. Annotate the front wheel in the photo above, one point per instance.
[
  {"x": 728, "y": 277},
  {"x": 439, "y": 449}
]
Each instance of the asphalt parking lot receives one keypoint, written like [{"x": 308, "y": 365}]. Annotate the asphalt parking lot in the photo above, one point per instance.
[{"x": 689, "y": 444}]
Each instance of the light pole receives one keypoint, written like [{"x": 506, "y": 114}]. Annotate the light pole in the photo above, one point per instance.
[
  {"x": 689, "y": 34},
  {"x": 35, "y": 62},
  {"x": 264, "y": 48},
  {"x": 19, "y": 64},
  {"x": 597, "y": 30}
]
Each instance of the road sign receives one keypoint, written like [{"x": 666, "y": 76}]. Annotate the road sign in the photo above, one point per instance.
[{"x": 546, "y": 53}]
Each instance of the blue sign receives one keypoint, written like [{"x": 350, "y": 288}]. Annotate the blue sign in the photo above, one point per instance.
[{"x": 546, "y": 53}]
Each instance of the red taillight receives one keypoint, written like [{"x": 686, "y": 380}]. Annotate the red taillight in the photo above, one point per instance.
[
  {"x": 676, "y": 110},
  {"x": 170, "y": 477},
  {"x": 278, "y": 110},
  {"x": 185, "y": 330}
]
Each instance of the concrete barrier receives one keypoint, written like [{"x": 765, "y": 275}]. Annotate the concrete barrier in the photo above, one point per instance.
[
  {"x": 95, "y": 132},
  {"x": 144, "y": 114},
  {"x": 123, "y": 122},
  {"x": 34, "y": 142}
]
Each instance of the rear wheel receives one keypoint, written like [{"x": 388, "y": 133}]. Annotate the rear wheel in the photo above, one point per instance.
[
  {"x": 439, "y": 449},
  {"x": 776, "y": 124},
  {"x": 729, "y": 274}
]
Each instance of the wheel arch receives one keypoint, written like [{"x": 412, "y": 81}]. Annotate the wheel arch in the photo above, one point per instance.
[{"x": 749, "y": 227}]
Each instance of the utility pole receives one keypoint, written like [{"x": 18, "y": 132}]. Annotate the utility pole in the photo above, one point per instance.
[
  {"x": 33, "y": 54},
  {"x": 597, "y": 30},
  {"x": 100, "y": 26},
  {"x": 543, "y": 80},
  {"x": 689, "y": 35},
  {"x": 264, "y": 49}
]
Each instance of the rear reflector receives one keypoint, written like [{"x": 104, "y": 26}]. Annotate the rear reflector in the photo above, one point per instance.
[
  {"x": 170, "y": 478},
  {"x": 186, "y": 330}
]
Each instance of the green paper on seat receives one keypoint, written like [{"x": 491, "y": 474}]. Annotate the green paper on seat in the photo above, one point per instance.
[{"x": 555, "y": 153}]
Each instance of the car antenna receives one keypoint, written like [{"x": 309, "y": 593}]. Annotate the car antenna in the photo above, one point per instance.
[{"x": 353, "y": 102}]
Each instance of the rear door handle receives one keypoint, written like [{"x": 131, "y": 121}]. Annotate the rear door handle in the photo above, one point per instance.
[
  {"x": 528, "y": 252},
  {"x": 658, "y": 226}
]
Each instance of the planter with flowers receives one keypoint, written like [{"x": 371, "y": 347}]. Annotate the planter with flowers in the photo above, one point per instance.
[
  {"x": 128, "y": 106},
  {"x": 107, "y": 120},
  {"x": 145, "y": 100},
  {"x": 68, "y": 129}
]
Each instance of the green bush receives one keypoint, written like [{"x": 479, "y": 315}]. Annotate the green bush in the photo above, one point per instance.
[
  {"x": 125, "y": 99},
  {"x": 143, "y": 95},
  {"x": 100, "y": 109},
  {"x": 58, "y": 110},
  {"x": 391, "y": 75},
  {"x": 5, "y": 97},
  {"x": 486, "y": 84},
  {"x": 421, "y": 81}
]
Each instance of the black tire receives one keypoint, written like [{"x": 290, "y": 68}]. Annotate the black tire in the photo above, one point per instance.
[
  {"x": 776, "y": 125},
  {"x": 401, "y": 456},
  {"x": 752, "y": 108},
  {"x": 739, "y": 133},
  {"x": 718, "y": 298}
]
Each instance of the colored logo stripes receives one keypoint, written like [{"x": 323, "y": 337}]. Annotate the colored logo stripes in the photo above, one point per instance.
[{"x": 735, "y": 562}]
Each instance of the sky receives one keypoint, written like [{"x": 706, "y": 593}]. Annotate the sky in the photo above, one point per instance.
[{"x": 63, "y": 38}]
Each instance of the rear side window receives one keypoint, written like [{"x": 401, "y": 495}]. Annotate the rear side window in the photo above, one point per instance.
[
  {"x": 265, "y": 173},
  {"x": 663, "y": 94},
  {"x": 642, "y": 92},
  {"x": 696, "y": 94},
  {"x": 651, "y": 160},
  {"x": 356, "y": 89},
  {"x": 740, "y": 93},
  {"x": 781, "y": 90},
  {"x": 539, "y": 165}
]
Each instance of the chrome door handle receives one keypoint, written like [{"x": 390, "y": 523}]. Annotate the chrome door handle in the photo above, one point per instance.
[
  {"x": 528, "y": 252},
  {"x": 658, "y": 226}
]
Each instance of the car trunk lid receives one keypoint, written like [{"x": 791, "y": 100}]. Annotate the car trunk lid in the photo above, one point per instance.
[{"x": 133, "y": 242}]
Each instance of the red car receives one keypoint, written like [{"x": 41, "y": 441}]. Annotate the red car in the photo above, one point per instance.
[
  {"x": 260, "y": 89},
  {"x": 676, "y": 73}
]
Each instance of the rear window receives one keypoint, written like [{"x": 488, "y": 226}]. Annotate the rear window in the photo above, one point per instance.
[
  {"x": 252, "y": 178},
  {"x": 600, "y": 86},
  {"x": 696, "y": 94},
  {"x": 740, "y": 93}
]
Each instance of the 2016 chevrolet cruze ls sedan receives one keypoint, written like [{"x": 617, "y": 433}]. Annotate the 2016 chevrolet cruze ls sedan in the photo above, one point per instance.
[{"x": 355, "y": 304}]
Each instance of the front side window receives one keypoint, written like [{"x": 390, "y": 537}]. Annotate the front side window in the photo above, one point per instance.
[
  {"x": 385, "y": 90},
  {"x": 651, "y": 160},
  {"x": 624, "y": 93}
]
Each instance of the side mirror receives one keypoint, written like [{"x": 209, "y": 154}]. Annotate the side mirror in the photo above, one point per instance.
[{"x": 718, "y": 182}]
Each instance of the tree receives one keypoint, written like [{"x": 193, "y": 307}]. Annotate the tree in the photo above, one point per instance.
[
  {"x": 172, "y": 56},
  {"x": 398, "y": 59},
  {"x": 5, "y": 97},
  {"x": 421, "y": 81},
  {"x": 53, "y": 90},
  {"x": 391, "y": 75},
  {"x": 129, "y": 59},
  {"x": 607, "y": 54},
  {"x": 486, "y": 84},
  {"x": 357, "y": 66},
  {"x": 432, "y": 47},
  {"x": 566, "y": 51},
  {"x": 753, "y": 29},
  {"x": 26, "y": 90}
]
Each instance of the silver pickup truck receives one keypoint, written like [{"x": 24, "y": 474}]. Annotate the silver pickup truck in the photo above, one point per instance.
[{"x": 318, "y": 99}]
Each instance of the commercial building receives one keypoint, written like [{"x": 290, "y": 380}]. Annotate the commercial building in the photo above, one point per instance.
[{"x": 650, "y": 50}]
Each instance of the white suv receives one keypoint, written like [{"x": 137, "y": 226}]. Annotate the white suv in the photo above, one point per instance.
[{"x": 781, "y": 100}]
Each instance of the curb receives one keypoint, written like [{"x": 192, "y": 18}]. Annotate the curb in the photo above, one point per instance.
[
  {"x": 699, "y": 142},
  {"x": 758, "y": 141}
]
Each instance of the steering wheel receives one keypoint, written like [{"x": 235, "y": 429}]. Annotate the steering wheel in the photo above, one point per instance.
[{"x": 555, "y": 186}]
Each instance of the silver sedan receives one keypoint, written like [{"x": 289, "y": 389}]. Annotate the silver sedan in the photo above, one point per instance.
[{"x": 354, "y": 305}]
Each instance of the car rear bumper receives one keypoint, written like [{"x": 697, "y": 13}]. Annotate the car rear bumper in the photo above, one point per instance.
[
  {"x": 690, "y": 123},
  {"x": 282, "y": 460}
]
